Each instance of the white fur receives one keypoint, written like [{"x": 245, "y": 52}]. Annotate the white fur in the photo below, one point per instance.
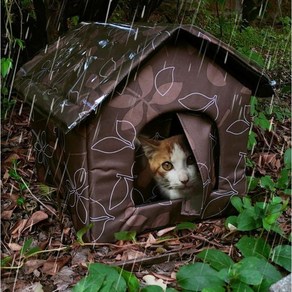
[{"x": 179, "y": 182}]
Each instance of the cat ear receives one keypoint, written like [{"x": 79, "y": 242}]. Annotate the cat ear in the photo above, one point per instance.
[{"x": 149, "y": 145}]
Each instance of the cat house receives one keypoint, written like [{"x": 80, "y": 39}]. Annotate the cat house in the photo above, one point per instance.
[{"x": 101, "y": 85}]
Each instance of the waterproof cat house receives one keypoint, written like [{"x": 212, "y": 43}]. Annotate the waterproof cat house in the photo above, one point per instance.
[{"x": 101, "y": 85}]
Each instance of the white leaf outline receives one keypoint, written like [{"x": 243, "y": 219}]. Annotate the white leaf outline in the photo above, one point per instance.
[
  {"x": 101, "y": 219},
  {"x": 127, "y": 143},
  {"x": 120, "y": 177},
  {"x": 77, "y": 192},
  {"x": 164, "y": 71},
  {"x": 203, "y": 166},
  {"x": 114, "y": 65},
  {"x": 244, "y": 121},
  {"x": 213, "y": 101},
  {"x": 225, "y": 193},
  {"x": 236, "y": 180}
]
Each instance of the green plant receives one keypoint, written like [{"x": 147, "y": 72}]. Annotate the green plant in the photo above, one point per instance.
[
  {"x": 219, "y": 272},
  {"x": 126, "y": 235},
  {"x": 260, "y": 215},
  {"x": 26, "y": 251},
  {"x": 13, "y": 172}
]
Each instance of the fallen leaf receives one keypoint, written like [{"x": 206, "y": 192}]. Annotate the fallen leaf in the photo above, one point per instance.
[
  {"x": 151, "y": 280},
  {"x": 35, "y": 218},
  {"x": 18, "y": 227},
  {"x": 54, "y": 265},
  {"x": 132, "y": 254},
  {"x": 14, "y": 246},
  {"x": 31, "y": 265},
  {"x": 165, "y": 230},
  {"x": 9, "y": 160},
  {"x": 150, "y": 240},
  {"x": 6, "y": 215},
  {"x": 64, "y": 278}
]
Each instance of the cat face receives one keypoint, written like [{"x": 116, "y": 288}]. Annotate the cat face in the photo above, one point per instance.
[{"x": 172, "y": 164}]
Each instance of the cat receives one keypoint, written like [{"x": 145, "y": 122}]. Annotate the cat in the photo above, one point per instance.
[{"x": 172, "y": 165}]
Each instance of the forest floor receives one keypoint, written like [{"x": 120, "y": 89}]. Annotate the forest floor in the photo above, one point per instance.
[{"x": 31, "y": 216}]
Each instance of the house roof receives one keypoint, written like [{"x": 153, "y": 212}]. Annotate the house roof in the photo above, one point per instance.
[{"x": 72, "y": 77}]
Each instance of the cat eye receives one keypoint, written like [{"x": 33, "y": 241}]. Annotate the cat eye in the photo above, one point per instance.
[
  {"x": 167, "y": 166},
  {"x": 190, "y": 160}
]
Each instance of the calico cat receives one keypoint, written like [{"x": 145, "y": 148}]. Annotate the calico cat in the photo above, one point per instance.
[{"x": 172, "y": 165}]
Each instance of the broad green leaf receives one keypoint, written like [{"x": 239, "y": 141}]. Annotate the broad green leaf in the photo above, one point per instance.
[
  {"x": 247, "y": 271},
  {"x": 252, "y": 183},
  {"x": 241, "y": 287},
  {"x": 251, "y": 246},
  {"x": 214, "y": 289},
  {"x": 26, "y": 246},
  {"x": 125, "y": 235},
  {"x": 246, "y": 220},
  {"x": 270, "y": 276},
  {"x": 20, "y": 43},
  {"x": 253, "y": 105},
  {"x": 131, "y": 280},
  {"x": 284, "y": 179},
  {"x": 216, "y": 258},
  {"x": 152, "y": 288},
  {"x": 237, "y": 203},
  {"x": 246, "y": 202},
  {"x": 287, "y": 158},
  {"x": 198, "y": 276},
  {"x": 113, "y": 279},
  {"x": 80, "y": 233},
  {"x": 262, "y": 121},
  {"x": 185, "y": 225},
  {"x": 231, "y": 223},
  {"x": 266, "y": 182},
  {"x": 256, "y": 271},
  {"x": 6, "y": 65},
  {"x": 90, "y": 283},
  {"x": 282, "y": 256},
  {"x": 251, "y": 140}
]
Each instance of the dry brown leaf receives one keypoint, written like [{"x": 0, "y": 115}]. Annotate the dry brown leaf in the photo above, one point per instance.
[
  {"x": 31, "y": 265},
  {"x": 35, "y": 218},
  {"x": 18, "y": 227},
  {"x": 150, "y": 240},
  {"x": 132, "y": 255},
  {"x": 54, "y": 265},
  {"x": 14, "y": 246},
  {"x": 6, "y": 176},
  {"x": 6, "y": 215},
  {"x": 9, "y": 160},
  {"x": 165, "y": 230}
]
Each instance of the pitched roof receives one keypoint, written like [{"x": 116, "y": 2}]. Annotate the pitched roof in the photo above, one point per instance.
[{"x": 73, "y": 76}]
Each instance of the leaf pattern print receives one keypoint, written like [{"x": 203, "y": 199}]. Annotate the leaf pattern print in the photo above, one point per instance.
[
  {"x": 188, "y": 102},
  {"x": 240, "y": 166},
  {"x": 43, "y": 149},
  {"x": 111, "y": 144},
  {"x": 164, "y": 74},
  {"x": 121, "y": 189},
  {"x": 140, "y": 103},
  {"x": 76, "y": 188},
  {"x": 215, "y": 76},
  {"x": 241, "y": 125},
  {"x": 102, "y": 219}
]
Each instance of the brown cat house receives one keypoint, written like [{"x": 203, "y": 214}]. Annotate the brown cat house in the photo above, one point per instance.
[{"x": 99, "y": 87}]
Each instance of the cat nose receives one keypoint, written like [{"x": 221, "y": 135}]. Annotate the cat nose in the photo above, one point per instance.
[{"x": 184, "y": 179}]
